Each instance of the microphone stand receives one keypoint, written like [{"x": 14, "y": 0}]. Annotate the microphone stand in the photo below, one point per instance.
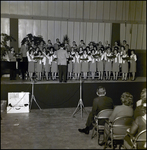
[
  {"x": 80, "y": 103},
  {"x": 33, "y": 97}
]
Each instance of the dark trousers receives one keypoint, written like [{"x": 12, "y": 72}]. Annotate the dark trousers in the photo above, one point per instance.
[
  {"x": 12, "y": 70},
  {"x": 90, "y": 120},
  {"x": 24, "y": 66},
  {"x": 62, "y": 73}
]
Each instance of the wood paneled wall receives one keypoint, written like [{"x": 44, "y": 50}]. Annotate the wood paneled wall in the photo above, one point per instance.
[
  {"x": 134, "y": 34},
  {"x": 87, "y": 20},
  {"x": 57, "y": 29},
  {"x": 92, "y": 10}
]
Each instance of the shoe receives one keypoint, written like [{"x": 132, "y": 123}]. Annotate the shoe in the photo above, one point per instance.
[
  {"x": 101, "y": 143},
  {"x": 84, "y": 131}
]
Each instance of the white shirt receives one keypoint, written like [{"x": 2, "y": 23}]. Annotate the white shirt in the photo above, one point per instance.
[
  {"x": 30, "y": 57},
  {"x": 116, "y": 59},
  {"x": 76, "y": 59},
  {"x": 107, "y": 59},
  {"x": 84, "y": 56},
  {"x": 91, "y": 58},
  {"x": 133, "y": 56},
  {"x": 102, "y": 56}
]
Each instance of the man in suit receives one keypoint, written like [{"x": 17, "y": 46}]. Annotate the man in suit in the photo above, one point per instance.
[
  {"x": 62, "y": 56},
  {"x": 23, "y": 51},
  {"x": 99, "y": 103}
]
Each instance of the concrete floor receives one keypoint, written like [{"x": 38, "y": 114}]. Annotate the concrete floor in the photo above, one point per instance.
[{"x": 45, "y": 129}]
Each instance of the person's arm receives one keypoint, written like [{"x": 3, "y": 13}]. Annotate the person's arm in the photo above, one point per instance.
[
  {"x": 67, "y": 56},
  {"x": 21, "y": 49},
  {"x": 134, "y": 127},
  {"x": 135, "y": 58},
  {"x": 94, "y": 107},
  {"x": 113, "y": 115}
]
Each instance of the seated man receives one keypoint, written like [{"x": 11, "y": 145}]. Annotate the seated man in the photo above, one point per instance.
[
  {"x": 99, "y": 103},
  {"x": 126, "y": 109},
  {"x": 138, "y": 125},
  {"x": 138, "y": 111}
]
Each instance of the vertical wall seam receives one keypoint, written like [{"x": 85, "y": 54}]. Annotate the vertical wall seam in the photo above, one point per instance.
[
  {"x": 141, "y": 11},
  {"x": 135, "y": 11},
  {"x": 116, "y": 10},
  {"x": 109, "y": 9}
]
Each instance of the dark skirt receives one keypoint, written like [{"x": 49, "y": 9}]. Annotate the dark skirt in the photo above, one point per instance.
[
  {"x": 125, "y": 67},
  {"x": 100, "y": 66},
  {"x": 54, "y": 67},
  {"x": 77, "y": 68},
  {"x": 133, "y": 66},
  {"x": 92, "y": 67},
  {"x": 84, "y": 67},
  {"x": 108, "y": 66},
  {"x": 115, "y": 67},
  {"x": 70, "y": 67},
  {"x": 47, "y": 67},
  {"x": 31, "y": 67},
  {"x": 38, "y": 67}
]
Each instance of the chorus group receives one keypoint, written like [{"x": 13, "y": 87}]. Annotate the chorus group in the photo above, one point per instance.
[{"x": 94, "y": 60}]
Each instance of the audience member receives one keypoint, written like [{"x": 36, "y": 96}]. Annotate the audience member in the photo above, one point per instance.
[
  {"x": 99, "y": 103},
  {"x": 126, "y": 109},
  {"x": 138, "y": 109},
  {"x": 138, "y": 125}
]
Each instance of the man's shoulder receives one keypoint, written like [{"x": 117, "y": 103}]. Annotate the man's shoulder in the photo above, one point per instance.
[
  {"x": 106, "y": 97},
  {"x": 102, "y": 97}
]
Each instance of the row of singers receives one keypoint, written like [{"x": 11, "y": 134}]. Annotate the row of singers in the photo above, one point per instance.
[{"x": 77, "y": 63}]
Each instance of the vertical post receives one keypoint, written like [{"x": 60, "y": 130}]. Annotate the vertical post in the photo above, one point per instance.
[{"x": 14, "y": 32}]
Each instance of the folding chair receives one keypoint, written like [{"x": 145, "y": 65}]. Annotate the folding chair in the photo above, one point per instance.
[
  {"x": 138, "y": 142},
  {"x": 97, "y": 128},
  {"x": 117, "y": 131}
]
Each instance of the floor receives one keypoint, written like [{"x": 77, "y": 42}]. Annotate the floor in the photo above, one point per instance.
[
  {"x": 53, "y": 128},
  {"x": 46, "y": 129}
]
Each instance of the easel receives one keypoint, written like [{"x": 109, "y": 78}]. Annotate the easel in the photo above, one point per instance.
[
  {"x": 33, "y": 97},
  {"x": 80, "y": 103}
]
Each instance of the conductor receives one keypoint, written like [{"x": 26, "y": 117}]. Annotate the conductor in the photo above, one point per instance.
[{"x": 62, "y": 63}]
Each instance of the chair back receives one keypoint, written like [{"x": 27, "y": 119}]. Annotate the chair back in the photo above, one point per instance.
[
  {"x": 104, "y": 114},
  {"x": 121, "y": 124},
  {"x": 141, "y": 136},
  {"x": 140, "y": 140}
]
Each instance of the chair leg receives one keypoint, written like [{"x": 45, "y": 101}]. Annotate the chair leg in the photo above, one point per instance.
[
  {"x": 112, "y": 141},
  {"x": 106, "y": 140},
  {"x": 93, "y": 134}
]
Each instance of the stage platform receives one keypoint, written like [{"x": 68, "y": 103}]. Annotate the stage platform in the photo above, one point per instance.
[{"x": 52, "y": 94}]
